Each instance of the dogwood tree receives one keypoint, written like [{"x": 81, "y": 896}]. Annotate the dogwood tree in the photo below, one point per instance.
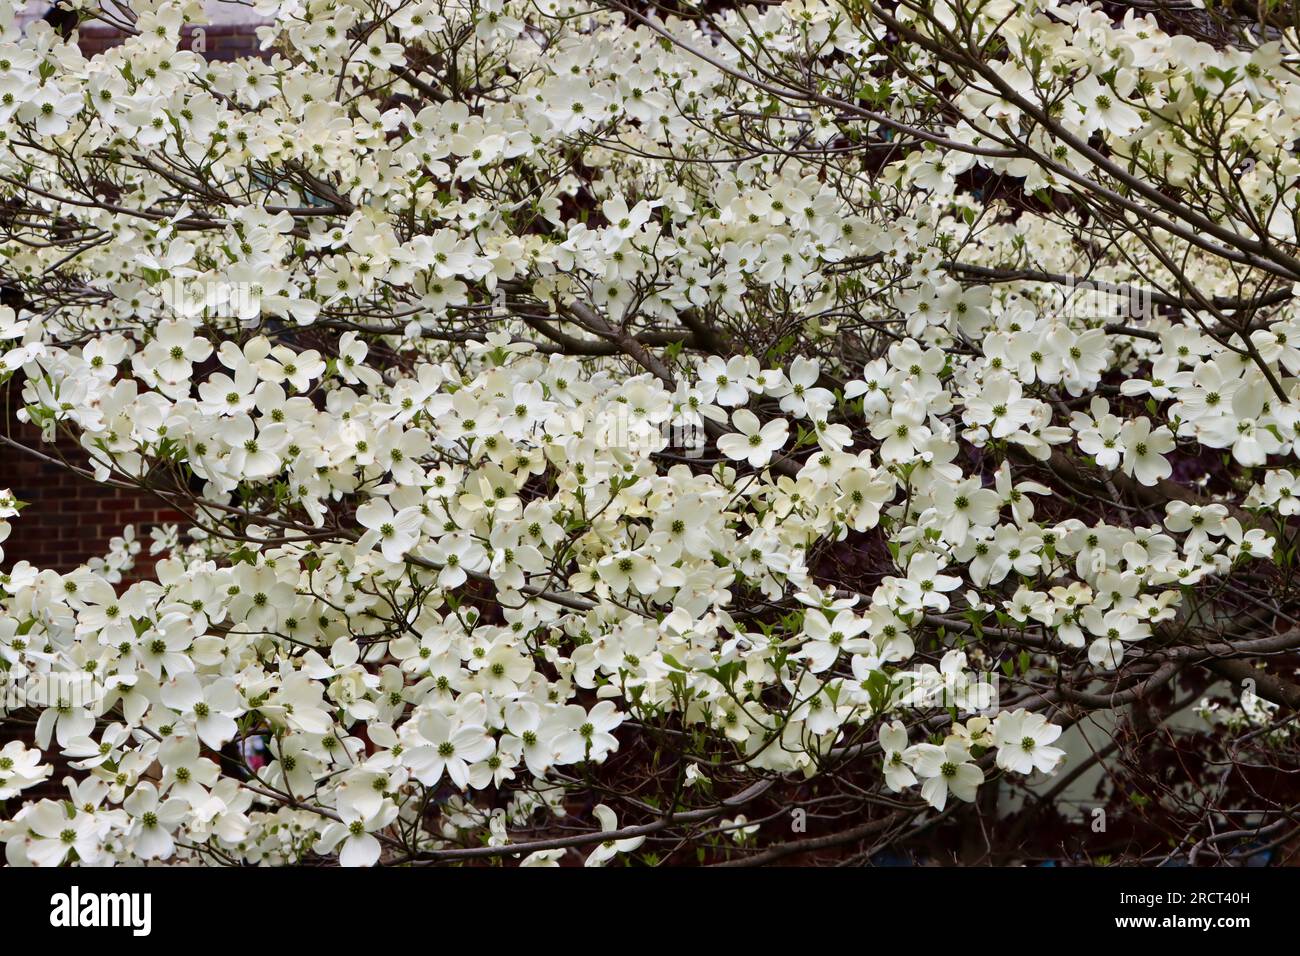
[{"x": 603, "y": 427}]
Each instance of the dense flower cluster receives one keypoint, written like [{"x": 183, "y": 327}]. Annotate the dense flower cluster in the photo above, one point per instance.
[{"x": 509, "y": 400}]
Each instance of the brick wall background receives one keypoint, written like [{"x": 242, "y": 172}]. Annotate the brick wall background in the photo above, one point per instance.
[
  {"x": 215, "y": 42},
  {"x": 228, "y": 33},
  {"x": 70, "y": 519}
]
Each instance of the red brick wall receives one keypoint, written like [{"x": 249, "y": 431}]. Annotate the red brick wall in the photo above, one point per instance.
[
  {"x": 220, "y": 42},
  {"x": 70, "y": 519}
]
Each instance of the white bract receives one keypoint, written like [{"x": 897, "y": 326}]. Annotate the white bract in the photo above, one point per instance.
[{"x": 555, "y": 411}]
